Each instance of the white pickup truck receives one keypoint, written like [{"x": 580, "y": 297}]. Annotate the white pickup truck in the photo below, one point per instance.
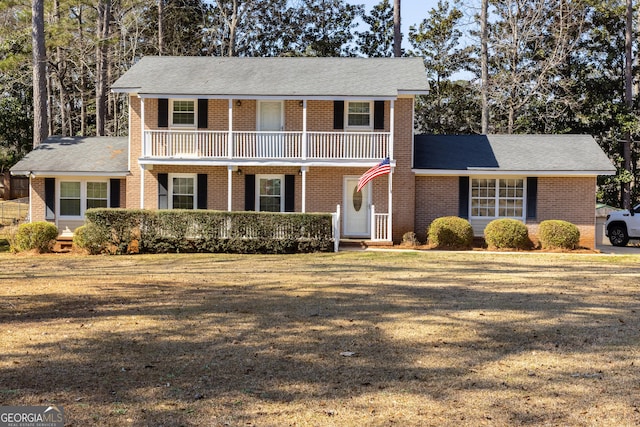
[{"x": 621, "y": 226}]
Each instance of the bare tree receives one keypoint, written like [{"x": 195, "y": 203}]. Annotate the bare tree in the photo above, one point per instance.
[
  {"x": 397, "y": 34},
  {"x": 628, "y": 100},
  {"x": 102, "y": 53},
  {"x": 484, "y": 66},
  {"x": 40, "y": 116}
]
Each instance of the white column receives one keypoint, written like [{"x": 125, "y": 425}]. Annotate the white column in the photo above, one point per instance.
[
  {"x": 230, "y": 170},
  {"x": 304, "y": 170},
  {"x": 392, "y": 120},
  {"x": 142, "y": 149},
  {"x": 230, "y": 136},
  {"x": 141, "y": 187},
  {"x": 304, "y": 136},
  {"x": 390, "y": 223},
  {"x": 143, "y": 142}
]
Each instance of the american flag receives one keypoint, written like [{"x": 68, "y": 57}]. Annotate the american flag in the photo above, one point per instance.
[{"x": 382, "y": 168}]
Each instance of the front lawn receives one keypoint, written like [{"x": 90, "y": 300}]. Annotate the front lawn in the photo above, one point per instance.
[{"x": 346, "y": 339}]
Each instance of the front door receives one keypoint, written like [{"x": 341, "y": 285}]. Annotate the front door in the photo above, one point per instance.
[
  {"x": 356, "y": 209},
  {"x": 270, "y": 121}
]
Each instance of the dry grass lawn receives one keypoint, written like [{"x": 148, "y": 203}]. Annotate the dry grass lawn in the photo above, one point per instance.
[{"x": 435, "y": 338}]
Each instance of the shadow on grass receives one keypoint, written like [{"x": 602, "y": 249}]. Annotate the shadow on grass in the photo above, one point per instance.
[{"x": 275, "y": 329}]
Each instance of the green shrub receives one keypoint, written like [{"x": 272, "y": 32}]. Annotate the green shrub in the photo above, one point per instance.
[
  {"x": 450, "y": 232},
  {"x": 90, "y": 238},
  {"x": 410, "y": 239},
  {"x": 558, "y": 234},
  {"x": 39, "y": 236},
  {"x": 507, "y": 233},
  {"x": 170, "y": 231}
]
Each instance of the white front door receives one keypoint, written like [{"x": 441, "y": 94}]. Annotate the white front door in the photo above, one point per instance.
[
  {"x": 270, "y": 120},
  {"x": 356, "y": 209}
]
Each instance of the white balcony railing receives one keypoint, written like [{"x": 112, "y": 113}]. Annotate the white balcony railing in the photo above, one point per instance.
[{"x": 266, "y": 145}]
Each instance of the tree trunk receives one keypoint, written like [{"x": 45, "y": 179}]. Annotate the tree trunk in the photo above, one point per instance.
[
  {"x": 160, "y": 29},
  {"x": 102, "y": 51},
  {"x": 397, "y": 34},
  {"x": 40, "y": 119},
  {"x": 233, "y": 26},
  {"x": 628, "y": 101},
  {"x": 484, "y": 65}
]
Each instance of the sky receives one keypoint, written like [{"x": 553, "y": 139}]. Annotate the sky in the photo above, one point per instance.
[{"x": 412, "y": 12}]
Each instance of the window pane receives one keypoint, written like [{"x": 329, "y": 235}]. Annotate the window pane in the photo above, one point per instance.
[
  {"x": 359, "y": 114},
  {"x": 70, "y": 189},
  {"x": 183, "y": 192},
  {"x": 70, "y": 207},
  {"x": 96, "y": 190},
  {"x": 183, "y": 112},
  {"x": 270, "y": 195},
  {"x": 182, "y": 202},
  {"x": 96, "y": 203}
]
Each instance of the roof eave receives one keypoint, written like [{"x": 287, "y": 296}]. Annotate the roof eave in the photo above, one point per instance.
[
  {"x": 494, "y": 172},
  {"x": 36, "y": 173}
]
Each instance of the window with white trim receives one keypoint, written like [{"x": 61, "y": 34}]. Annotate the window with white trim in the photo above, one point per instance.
[
  {"x": 78, "y": 196},
  {"x": 270, "y": 194},
  {"x": 182, "y": 191},
  {"x": 359, "y": 115},
  {"x": 183, "y": 112},
  {"x": 70, "y": 198},
  {"x": 497, "y": 198}
]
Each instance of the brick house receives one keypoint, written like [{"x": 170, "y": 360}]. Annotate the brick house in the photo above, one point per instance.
[{"x": 285, "y": 135}]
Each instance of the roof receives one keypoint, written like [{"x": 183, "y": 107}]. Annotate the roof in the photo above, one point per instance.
[
  {"x": 504, "y": 154},
  {"x": 291, "y": 77},
  {"x": 91, "y": 156}
]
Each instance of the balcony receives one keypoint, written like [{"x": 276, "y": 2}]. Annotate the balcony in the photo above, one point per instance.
[{"x": 290, "y": 146}]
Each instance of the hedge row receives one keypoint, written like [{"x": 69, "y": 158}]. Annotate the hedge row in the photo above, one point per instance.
[{"x": 122, "y": 231}]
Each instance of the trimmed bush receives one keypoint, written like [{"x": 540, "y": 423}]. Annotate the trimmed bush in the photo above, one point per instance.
[
  {"x": 39, "y": 236},
  {"x": 450, "y": 232},
  {"x": 169, "y": 231},
  {"x": 90, "y": 238},
  {"x": 410, "y": 239},
  {"x": 507, "y": 233},
  {"x": 558, "y": 234}
]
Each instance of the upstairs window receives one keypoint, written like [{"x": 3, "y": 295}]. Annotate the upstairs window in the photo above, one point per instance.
[
  {"x": 359, "y": 115},
  {"x": 183, "y": 113}
]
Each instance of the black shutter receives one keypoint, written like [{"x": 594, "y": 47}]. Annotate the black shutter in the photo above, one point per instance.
[
  {"x": 163, "y": 191},
  {"x": 249, "y": 192},
  {"x": 532, "y": 197},
  {"x": 378, "y": 115},
  {"x": 338, "y": 114},
  {"x": 114, "y": 193},
  {"x": 289, "y": 193},
  {"x": 202, "y": 191},
  {"x": 463, "y": 198},
  {"x": 50, "y": 198},
  {"x": 203, "y": 114},
  {"x": 163, "y": 113}
]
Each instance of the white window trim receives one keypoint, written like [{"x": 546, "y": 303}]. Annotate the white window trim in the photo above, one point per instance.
[
  {"x": 358, "y": 128},
  {"x": 497, "y": 198},
  {"x": 194, "y": 125},
  {"x": 257, "y": 195},
  {"x": 170, "y": 189},
  {"x": 83, "y": 196}
]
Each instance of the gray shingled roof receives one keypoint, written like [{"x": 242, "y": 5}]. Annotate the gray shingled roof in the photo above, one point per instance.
[
  {"x": 545, "y": 154},
  {"x": 293, "y": 77},
  {"x": 78, "y": 155}
]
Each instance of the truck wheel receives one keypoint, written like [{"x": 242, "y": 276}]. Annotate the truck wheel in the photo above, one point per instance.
[{"x": 618, "y": 235}]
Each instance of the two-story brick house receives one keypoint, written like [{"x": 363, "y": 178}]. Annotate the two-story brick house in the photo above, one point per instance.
[{"x": 276, "y": 134}]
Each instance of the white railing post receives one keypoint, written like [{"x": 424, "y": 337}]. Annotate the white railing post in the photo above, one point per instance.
[
  {"x": 374, "y": 225},
  {"x": 336, "y": 229}
]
